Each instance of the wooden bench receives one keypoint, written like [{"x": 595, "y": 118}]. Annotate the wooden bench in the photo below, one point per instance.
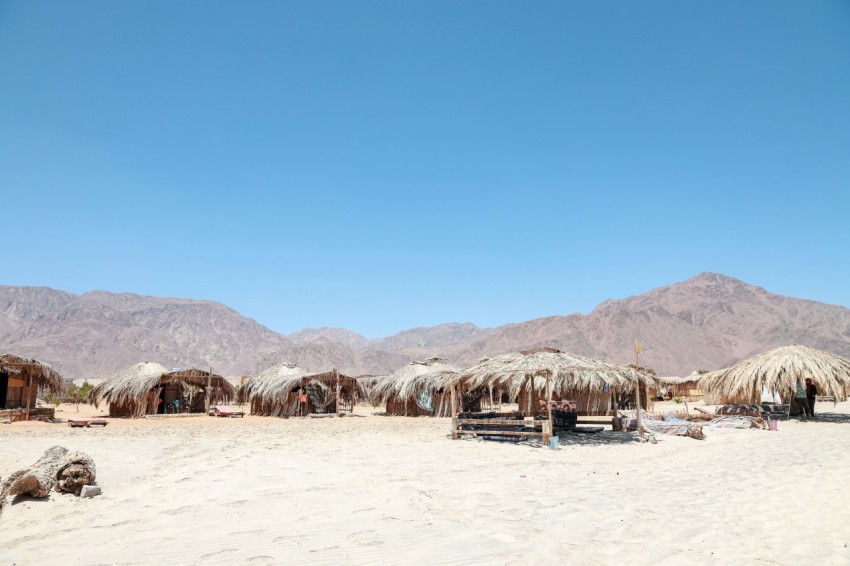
[
  {"x": 227, "y": 411},
  {"x": 596, "y": 420},
  {"x": 544, "y": 433},
  {"x": 87, "y": 422}
]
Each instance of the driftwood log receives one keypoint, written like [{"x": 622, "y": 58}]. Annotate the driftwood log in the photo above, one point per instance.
[
  {"x": 56, "y": 469},
  {"x": 73, "y": 472}
]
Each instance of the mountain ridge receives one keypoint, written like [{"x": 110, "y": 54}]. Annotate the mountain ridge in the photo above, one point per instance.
[{"x": 707, "y": 321}]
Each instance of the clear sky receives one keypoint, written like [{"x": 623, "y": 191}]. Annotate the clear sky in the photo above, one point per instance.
[{"x": 384, "y": 165}]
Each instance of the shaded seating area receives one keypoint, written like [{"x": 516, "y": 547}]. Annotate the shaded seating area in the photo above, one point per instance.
[
  {"x": 555, "y": 390},
  {"x": 149, "y": 389}
]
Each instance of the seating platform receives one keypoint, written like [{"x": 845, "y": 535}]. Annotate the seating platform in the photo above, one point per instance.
[
  {"x": 74, "y": 423},
  {"x": 227, "y": 411}
]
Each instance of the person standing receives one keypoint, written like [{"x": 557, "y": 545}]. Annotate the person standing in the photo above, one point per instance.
[
  {"x": 811, "y": 396},
  {"x": 802, "y": 401}
]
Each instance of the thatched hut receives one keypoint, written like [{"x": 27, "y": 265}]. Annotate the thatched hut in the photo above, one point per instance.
[
  {"x": 20, "y": 380},
  {"x": 594, "y": 385},
  {"x": 682, "y": 387},
  {"x": 777, "y": 372},
  {"x": 417, "y": 389},
  {"x": 285, "y": 390},
  {"x": 149, "y": 388}
]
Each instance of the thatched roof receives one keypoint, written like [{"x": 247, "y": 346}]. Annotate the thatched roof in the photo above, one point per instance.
[
  {"x": 567, "y": 372},
  {"x": 412, "y": 379},
  {"x": 278, "y": 380},
  {"x": 273, "y": 390},
  {"x": 128, "y": 384},
  {"x": 222, "y": 388},
  {"x": 673, "y": 380},
  {"x": 41, "y": 374},
  {"x": 778, "y": 371},
  {"x": 132, "y": 385}
]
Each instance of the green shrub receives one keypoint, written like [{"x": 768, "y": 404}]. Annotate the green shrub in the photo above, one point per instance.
[
  {"x": 53, "y": 399},
  {"x": 78, "y": 394}
]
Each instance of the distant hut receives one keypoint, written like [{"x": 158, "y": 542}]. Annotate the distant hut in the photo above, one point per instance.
[
  {"x": 418, "y": 389},
  {"x": 594, "y": 385},
  {"x": 268, "y": 391},
  {"x": 682, "y": 387},
  {"x": 149, "y": 388},
  {"x": 20, "y": 380},
  {"x": 285, "y": 390},
  {"x": 777, "y": 372}
]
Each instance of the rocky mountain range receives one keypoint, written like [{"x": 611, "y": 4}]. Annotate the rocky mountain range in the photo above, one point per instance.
[{"x": 706, "y": 322}]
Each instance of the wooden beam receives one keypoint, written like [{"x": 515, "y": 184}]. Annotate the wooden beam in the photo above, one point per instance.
[
  {"x": 548, "y": 407},
  {"x": 338, "y": 404},
  {"x": 29, "y": 396},
  {"x": 546, "y": 432},
  {"x": 519, "y": 422},
  {"x": 207, "y": 393},
  {"x": 500, "y": 433}
]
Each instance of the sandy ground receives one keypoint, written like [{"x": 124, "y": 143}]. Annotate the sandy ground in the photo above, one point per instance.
[{"x": 370, "y": 489}]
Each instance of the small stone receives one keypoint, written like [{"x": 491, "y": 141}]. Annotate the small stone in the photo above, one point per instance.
[{"x": 90, "y": 491}]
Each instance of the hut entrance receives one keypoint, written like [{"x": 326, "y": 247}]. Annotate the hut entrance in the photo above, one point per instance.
[
  {"x": 322, "y": 397},
  {"x": 171, "y": 398},
  {"x": 4, "y": 389}
]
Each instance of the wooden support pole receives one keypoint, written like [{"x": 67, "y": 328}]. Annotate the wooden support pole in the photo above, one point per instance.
[
  {"x": 638, "y": 387},
  {"x": 338, "y": 397},
  {"x": 454, "y": 401},
  {"x": 548, "y": 406},
  {"x": 208, "y": 393},
  {"x": 535, "y": 406},
  {"x": 490, "y": 389},
  {"x": 29, "y": 396}
]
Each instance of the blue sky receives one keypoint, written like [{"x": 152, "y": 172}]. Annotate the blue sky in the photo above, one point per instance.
[{"x": 384, "y": 165}]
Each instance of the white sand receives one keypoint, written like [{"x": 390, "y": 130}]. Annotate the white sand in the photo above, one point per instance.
[{"x": 398, "y": 490}]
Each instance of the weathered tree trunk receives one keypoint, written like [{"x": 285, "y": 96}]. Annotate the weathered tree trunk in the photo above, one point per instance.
[
  {"x": 55, "y": 469},
  {"x": 37, "y": 480}
]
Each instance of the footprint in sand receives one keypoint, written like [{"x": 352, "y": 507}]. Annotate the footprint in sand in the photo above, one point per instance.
[
  {"x": 219, "y": 553},
  {"x": 366, "y": 538},
  {"x": 261, "y": 560},
  {"x": 181, "y": 510}
]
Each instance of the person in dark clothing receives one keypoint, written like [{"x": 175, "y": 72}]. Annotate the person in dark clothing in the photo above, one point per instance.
[
  {"x": 811, "y": 396},
  {"x": 801, "y": 401}
]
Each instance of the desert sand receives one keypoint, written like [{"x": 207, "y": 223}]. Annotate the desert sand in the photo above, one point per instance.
[{"x": 373, "y": 489}]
